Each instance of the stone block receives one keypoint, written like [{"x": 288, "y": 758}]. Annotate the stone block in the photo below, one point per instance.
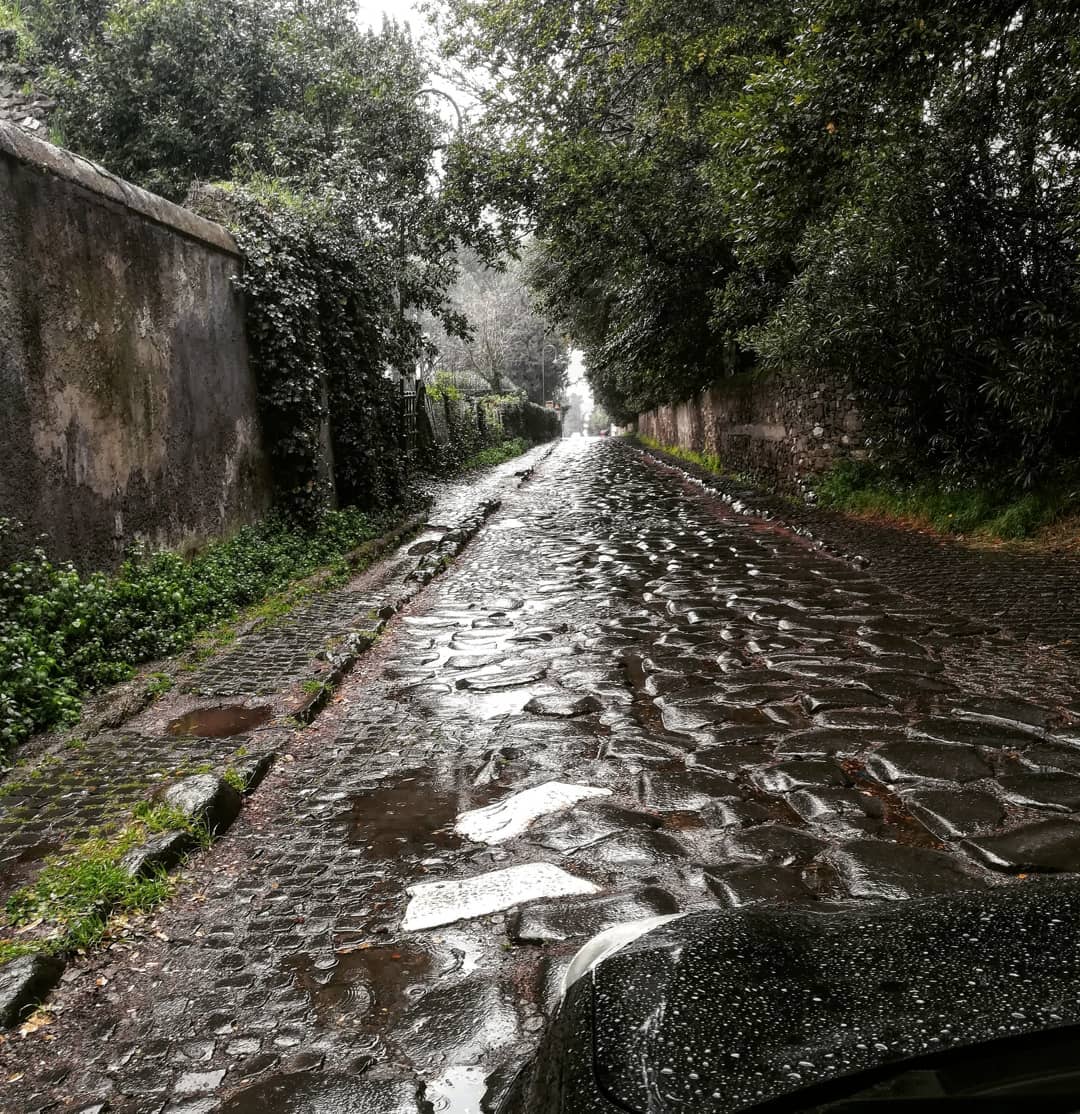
[
  {"x": 205, "y": 798},
  {"x": 23, "y": 984}
]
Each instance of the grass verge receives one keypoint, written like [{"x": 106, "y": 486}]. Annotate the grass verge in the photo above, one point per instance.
[
  {"x": 496, "y": 454},
  {"x": 990, "y": 511},
  {"x": 68, "y": 905},
  {"x": 702, "y": 460}
]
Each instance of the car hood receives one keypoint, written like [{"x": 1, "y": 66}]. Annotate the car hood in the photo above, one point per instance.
[{"x": 728, "y": 1010}]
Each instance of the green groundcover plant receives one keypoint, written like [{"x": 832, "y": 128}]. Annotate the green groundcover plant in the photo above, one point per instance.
[{"x": 64, "y": 633}]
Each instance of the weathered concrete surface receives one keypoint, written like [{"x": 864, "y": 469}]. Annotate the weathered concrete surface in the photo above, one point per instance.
[
  {"x": 783, "y": 428},
  {"x": 772, "y": 724},
  {"x": 127, "y": 408}
]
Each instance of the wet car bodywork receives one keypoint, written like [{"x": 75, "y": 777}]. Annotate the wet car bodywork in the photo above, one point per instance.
[{"x": 911, "y": 1004}]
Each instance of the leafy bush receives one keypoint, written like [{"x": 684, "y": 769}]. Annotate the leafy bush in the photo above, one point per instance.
[
  {"x": 323, "y": 325},
  {"x": 63, "y": 633},
  {"x": 496, "y": 454},
  {"x": 995, "y": 511},
  {"x": 885, "y": 190}
]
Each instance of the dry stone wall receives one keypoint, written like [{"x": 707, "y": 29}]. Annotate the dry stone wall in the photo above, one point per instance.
[
  {"x": 127, "y": 407},
  {"x": 20, "y": 102},
  {"x": 781, "y": 428}
]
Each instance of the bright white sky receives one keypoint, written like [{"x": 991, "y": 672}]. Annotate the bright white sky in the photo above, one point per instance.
[{"x": 371, "y": 12}]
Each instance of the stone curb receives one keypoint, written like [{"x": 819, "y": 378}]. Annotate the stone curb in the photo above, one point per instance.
[
  {"x": 207, "y": 798},
  {"x": 24, "y": 983}
]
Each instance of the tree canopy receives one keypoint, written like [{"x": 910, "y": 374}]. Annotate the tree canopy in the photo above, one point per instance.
[{"x": 883, "y": 189}]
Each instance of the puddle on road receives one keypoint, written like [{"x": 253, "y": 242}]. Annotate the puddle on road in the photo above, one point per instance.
[
  {"x": 315, "y": 1093},
  {"x": 432, "y": 904},
  {"x": 220, "y": 722},
  {"x": 369, "y": 985},
  {"x": 407, "y": 818},
  {"x": 512, "y": 815},
  {"x": 459, "y": 1090}
]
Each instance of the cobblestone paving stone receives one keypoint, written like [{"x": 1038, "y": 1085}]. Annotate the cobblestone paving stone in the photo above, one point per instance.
[{"x": 772, "y": 724}]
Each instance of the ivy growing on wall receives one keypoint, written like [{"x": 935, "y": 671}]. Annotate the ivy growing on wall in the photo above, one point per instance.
[{"x": 323, "y": 327}]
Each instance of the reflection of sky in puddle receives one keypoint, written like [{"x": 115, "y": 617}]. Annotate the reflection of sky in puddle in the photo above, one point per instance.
[
  {"x": 492, "y": 705},
  {"x": 512, "y": 815},
  {"x": 458, "y": 1090},
  {"x": 433, "y": 904}
]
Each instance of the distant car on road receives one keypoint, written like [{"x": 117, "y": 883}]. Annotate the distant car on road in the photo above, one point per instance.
[{"x": 967, "y": 1002}]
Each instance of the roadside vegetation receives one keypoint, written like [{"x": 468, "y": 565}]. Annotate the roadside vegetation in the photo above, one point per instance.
[
  {"x": 69, "y": 904},
  {"x": 708, "y": 461},
  {"x": 496, "y": 454},
  {"x": 64, "y": 634},
  {"x": 991, "y": 512}
]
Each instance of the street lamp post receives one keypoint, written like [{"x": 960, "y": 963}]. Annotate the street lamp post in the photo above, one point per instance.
[{"x": 543, "y": 373}]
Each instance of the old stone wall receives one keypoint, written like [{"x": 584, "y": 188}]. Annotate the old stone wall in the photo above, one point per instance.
[
  {"x": 20, "y": 102},
  {"x": 782, "y": 428},
  {"x": 127, "y": 407}
]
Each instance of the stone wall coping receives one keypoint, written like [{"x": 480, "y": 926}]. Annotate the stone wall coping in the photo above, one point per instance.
[{"x": 20, "y": 145}]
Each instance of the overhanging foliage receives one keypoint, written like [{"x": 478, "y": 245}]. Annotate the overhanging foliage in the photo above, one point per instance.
[{"x": 884, "y": 189}]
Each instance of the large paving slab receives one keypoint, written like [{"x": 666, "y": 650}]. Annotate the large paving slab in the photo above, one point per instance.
[{"x": 768, "y": 723}]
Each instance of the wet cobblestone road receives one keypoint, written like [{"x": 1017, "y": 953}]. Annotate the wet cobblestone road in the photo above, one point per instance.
[{"x": 756, "y": 721}]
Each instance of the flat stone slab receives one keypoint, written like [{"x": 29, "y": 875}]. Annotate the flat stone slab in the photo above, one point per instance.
[
  {"x": 432, "y": 904},
  {"x": 905, "y": 686},
  {"x": 820, "y": 742},
  {"x": 825, "y": 699},
  {"x": 686, "y": 790},
  {"x": 1057, "y": 791},
  {"x": 955, "y": 813},
  {"x": 588, "y": 825},
  {"x": 1017, "y": 715},
  {"x": 639, "y": 848},
  {"x": 23, "y": 984},
  {"x": 765, "y": 843},
  {"x": 562, "y": 705},
  {"x": 512, "y": 815},
  {"x": 557, "y": 921},
  {"x": 835, "y": 803},
  {"x": 977, "y": 732},
  {"x": 498, "y": 682},
  {"x": 916, "y": 759},
  {"x": 1049, "y": 845},
  {"x": 758, "y": 885},
  {"x": 874, "y": 869},
  {"x": 787, "y": 776}
]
